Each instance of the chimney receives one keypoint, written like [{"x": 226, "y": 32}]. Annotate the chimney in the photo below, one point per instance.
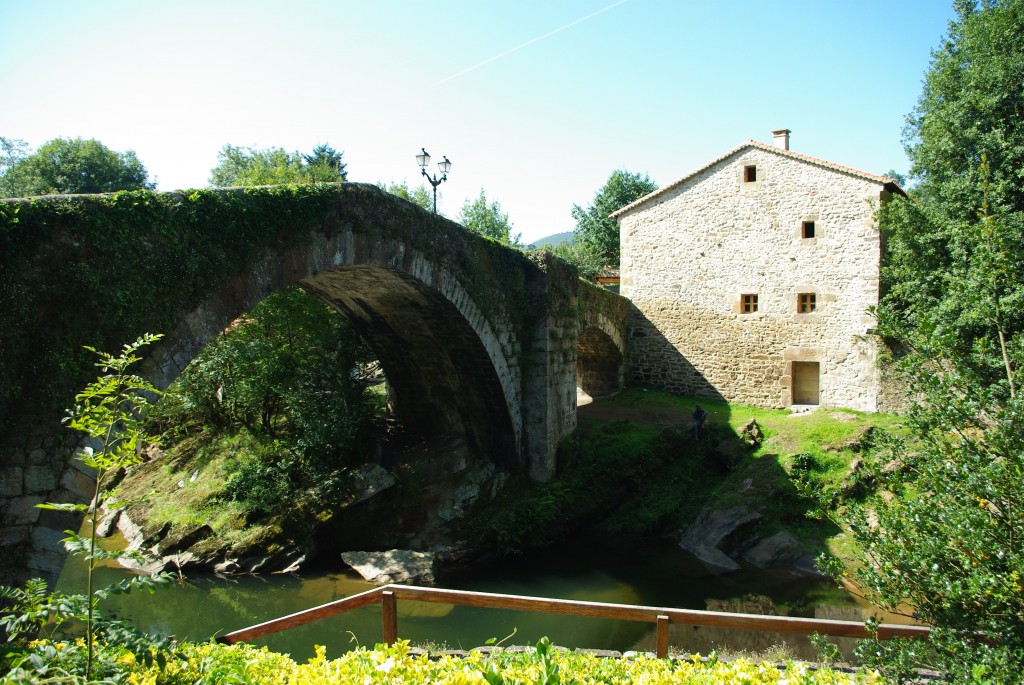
[{"x": 781, "y": 138}]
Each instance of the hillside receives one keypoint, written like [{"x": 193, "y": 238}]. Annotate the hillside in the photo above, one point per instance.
[{"x": 553, "y": 240}]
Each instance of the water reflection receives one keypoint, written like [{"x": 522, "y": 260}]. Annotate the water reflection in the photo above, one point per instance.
[{"x": 653, "y": 574}]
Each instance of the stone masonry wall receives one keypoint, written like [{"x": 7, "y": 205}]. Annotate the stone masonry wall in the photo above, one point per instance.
[{"x": 690, "y": 255}]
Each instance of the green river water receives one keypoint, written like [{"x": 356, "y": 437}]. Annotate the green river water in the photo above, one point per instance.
[{"x": 647, "y": 573}]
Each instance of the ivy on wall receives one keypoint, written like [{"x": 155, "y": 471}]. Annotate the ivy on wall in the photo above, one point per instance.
[
  {"x": 98, "y": 270},
  {"x": 101, "y": 269}
]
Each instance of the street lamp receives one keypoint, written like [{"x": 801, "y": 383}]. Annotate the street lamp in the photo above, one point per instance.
[{"x": 423, "y": 159}]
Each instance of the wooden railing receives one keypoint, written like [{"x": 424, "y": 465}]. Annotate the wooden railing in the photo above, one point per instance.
[{"x": 389, "y": 595}]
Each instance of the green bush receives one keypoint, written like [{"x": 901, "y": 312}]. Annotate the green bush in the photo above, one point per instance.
[{"x": 213, "y": 664}]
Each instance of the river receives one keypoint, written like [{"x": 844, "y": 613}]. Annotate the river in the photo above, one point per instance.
[{"x": 628, "y": 572}]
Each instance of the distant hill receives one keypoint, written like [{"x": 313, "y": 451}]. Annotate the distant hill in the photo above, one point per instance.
[{"x": 553, "y": 240}]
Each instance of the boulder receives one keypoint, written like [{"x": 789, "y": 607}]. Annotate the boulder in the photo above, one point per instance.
[
  {"x": 106, "y": 527},
  {"x": 369, "y": 480},
  {"x": 393, "y": 566},
  {"x": 704, "y": 535},
  {"x": 459, "y": 501},
  {"x": 781, "y": 549}
]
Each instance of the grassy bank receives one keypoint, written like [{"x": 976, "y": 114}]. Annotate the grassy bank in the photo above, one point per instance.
[{"x": 634, "y": 467}]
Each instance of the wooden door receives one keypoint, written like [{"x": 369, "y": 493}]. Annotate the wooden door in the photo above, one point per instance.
[{"x": 805, "y": 382}]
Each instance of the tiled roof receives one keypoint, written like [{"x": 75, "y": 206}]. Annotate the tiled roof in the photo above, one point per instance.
[{"x": 881, "y": 180}]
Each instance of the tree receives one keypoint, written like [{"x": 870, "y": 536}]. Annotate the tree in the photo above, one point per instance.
[
  {"x": 418, "y": 195},
  {"x": 487, "y": 219},
  {"x": 285, "y": 373},
  {"x": 596, "y": 235},
  {"x": 971, "y": 109},
  {"x": 326, "y": 161},
  {"x": 239, "y": 166},
  {"x": 65, "y": 165},
  {"x": 12, "y": 150},
  {"x": 110, "y": 411},
  {"x": 947, "y": 537}
]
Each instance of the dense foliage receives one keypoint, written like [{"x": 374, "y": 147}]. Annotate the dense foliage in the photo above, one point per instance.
[
  {"x": 946, "y": 537},
  {"x": 129, "y": 262},
  {"x": 487, "y": 219},
  {"x": 110, "y": 412},
  {"x": 286, "y": 372},
  {"x": 65, "y": 165},
  {"x": 965, "y": 140},
  {"x": 239, "y": 166},
  {"x": 596, "y": 243},
  {"x": 215, "y": 664},
  {"x": 419, "y": 195}
]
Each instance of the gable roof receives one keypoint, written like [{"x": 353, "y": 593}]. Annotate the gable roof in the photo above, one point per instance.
[{"x": 807, "y": 159}]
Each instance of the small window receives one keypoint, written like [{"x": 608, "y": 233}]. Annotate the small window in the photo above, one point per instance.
[
  {"x": 750, "y": 173},
  {"x": 807, "y": 229},
  {"x": 748, "y": 304},
  {"x": 806, "y": 303}
]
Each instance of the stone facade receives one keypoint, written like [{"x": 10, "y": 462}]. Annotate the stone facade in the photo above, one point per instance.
[{"x": 719, "y": 265}]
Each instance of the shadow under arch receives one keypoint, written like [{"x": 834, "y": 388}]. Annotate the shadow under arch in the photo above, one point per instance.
[
  {"x": 600, "y": 362},
  {"x": 447, "y": 366},
  {"x": 443, "y": 381}
]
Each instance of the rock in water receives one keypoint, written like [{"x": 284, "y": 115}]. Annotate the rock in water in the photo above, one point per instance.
[
  {"x": 704, "y": 535},
  {"x": 393, "y": 566}
]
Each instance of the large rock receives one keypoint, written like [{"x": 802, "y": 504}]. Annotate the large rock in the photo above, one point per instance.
[
  {"x": 459, "y": 501},
  {"x": 781, "y": 549},
  {"x": 393, "y": 566},
  {"x": 704, "y": 535},
  {"x": 369, "y": 480}
]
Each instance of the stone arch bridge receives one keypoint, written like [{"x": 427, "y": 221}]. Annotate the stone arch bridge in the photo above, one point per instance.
[{"x": 477, "y": 340}]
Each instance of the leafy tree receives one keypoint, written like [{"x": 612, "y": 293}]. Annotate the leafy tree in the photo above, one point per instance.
[
  {"x": 239, "y": 166},
  {"x": 283, "y": 370},
  {"x": 948, "y": 540},
  {"x": 971, "y": 109},
  {"x": 418, "y": 195},
  {"x": 487, "y": 219},
  {"x": 596, "y": 235},
  {"x": 65, "y": 165},
  {"x": 325, "y": 160},
  {"x": 110, "y": 411},
  {"x": 11, "y": 151}
]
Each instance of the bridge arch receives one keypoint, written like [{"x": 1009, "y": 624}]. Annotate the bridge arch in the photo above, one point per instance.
[
  {"x": 600, "y": 357},
  {"x": 447, "y": 365},
  {"x": 601, "y": 340}
]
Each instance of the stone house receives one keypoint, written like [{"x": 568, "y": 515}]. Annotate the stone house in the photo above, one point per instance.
[{"x": 752, "y": 279}]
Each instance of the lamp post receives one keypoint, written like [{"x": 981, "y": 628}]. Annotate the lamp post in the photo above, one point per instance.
[{"x": 423, "y": 159}]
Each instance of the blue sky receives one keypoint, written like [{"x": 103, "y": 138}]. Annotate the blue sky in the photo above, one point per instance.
[{"x": 536, "y": 102}]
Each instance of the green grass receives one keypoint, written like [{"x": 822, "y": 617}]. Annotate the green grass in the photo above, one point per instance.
[{"x": 801, "y": 456}]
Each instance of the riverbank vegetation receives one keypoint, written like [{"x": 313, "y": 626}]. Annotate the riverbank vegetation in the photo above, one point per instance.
[
  {"x": 188, "y": 663},
  {"x": 635, "y": 468},
  {"x": 261, "y": 428}
]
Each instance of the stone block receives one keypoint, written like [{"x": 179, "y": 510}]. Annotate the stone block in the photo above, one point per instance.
[
  {"x": 82, "y": 486},
  {"x": 22, "y": 510},
  {"x": 38, "y": 457},
  {"x": 39, "y": 479},
  {"x": 48, "y": 539},
  {"x": 10, "y": 482},
  {"x": 11, "y": 536}
]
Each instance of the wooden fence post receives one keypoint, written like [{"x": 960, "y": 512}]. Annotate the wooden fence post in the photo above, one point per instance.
[
  {"x": 662, "y": 636},
  {"x": 389, "y": 605}
]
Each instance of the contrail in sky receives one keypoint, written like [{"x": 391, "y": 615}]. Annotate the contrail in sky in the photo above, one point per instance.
[{"x": 529, "y": 43}]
